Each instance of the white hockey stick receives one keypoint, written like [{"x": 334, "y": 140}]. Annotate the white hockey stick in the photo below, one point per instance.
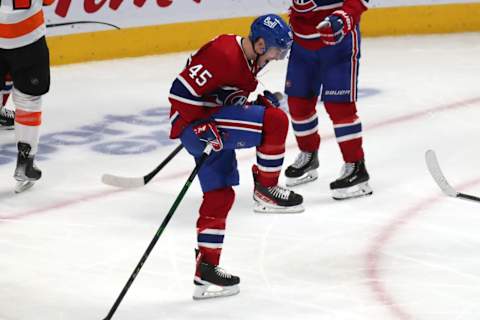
[
  {"x": 136, "y": 182},
  {"x": 437, "y": 174}
]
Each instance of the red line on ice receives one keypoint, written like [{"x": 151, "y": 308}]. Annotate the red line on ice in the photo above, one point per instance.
[{"x": 374, "y": 253}]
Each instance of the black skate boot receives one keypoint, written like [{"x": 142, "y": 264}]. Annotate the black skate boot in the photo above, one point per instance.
[
  {"x": 26, "y": 173},
  {"x": 275, "y": 199},
  {"x": 208, "y": 276},
  {"x": 7, "y": 119},
  {"x": 303, "y": 170},
  {"x": 352, "y": 183}
]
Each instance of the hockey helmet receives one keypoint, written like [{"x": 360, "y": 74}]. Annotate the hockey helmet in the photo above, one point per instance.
[{"x": 274, "y": 31}]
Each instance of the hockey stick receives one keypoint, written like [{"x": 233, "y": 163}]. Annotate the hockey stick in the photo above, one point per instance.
[
  {"x": 160, "y": 230},
  {"x": 135, "y": 182},
  {"x": 437, "y": 174},
  {"x": 63, "y": 24}
]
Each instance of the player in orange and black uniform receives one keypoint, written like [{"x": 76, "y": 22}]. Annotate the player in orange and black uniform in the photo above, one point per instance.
[{"x": 24, "y": 55}]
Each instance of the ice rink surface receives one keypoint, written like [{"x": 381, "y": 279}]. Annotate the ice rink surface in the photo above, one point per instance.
[{"x": 68, "y": 245}]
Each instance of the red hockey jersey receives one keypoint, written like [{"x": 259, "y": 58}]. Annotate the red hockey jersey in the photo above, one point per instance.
[
  {"x": 219, "y": 74},
  {"x": 305, "y": 15}
]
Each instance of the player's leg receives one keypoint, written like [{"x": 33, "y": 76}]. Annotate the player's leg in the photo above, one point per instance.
[
  {"x": 7, "y": 116},
  {"x": 268, "y": 194},
  {"x": 339, "y": 96},
  {"x": 265, "y": 128},
  {"x": 302, "y": 87},
  {"x": 210, "y": 234},
  {"x": 30, "y": 68},
  {"x": 217, "y": 176}
]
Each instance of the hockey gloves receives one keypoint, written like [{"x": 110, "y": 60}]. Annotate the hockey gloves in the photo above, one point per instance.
[
  {"x": 208, "y": 132},
  {"x": 335, "y": 27},
  {"x": 268, "y": 99}
]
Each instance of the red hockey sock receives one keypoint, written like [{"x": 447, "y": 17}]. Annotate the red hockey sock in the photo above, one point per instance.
[
  {"x": 211, "y": 223},
  {"x": 305, "y": 122},
  {"x": 348, "y": 129},
  {"x": 272, "y": 150}
]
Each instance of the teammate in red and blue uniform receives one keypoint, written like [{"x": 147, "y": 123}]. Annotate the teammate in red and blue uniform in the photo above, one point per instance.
[
  {"x": 209, "y": 105},
  {"x": 323, "y": 64}
]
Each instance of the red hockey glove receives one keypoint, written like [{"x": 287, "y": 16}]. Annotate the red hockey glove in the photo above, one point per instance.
[
  {"x": 208, "y": 132},
  {"x": 335, "y": 27},
  {"x": 269, "y": 100}
]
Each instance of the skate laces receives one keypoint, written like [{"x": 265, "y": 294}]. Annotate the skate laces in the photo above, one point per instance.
[
  {"x": 302, "y": 159},
  {"x": 222, "y": 273},
  {"x": 280, "y": 192},
  {"x": 7, "y": 113}
]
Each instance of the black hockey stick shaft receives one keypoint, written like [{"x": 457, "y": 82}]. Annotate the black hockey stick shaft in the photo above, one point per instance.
[
  {"x": 154, "y": 172},
  {"x": 468, "y": 197},
  {"x": 159, "y": 232}
]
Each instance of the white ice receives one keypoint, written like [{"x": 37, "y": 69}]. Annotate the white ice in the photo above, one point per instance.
[{"x": 68, "y": 245}]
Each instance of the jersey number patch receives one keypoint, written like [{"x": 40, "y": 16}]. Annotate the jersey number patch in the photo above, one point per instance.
[
  {"x": 21, "y": 4},
  {"x": 201, "y": 77}
]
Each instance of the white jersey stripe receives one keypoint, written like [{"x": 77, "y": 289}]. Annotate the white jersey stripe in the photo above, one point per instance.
[
  {"x": 314, "y": 117},
  {"x": 21, "y": 27},
  {"x": 269, "y": 169},
  {"x": 213, "y": 231},
  {"x": 240, "y": 128},
  {"x": 210, "y": 245},
  {"x": 349, "y": 137},
  {"x": 188, "y": 86},
  {"x": 343, "y": 125},
  {"x": 256, "y": 124},
  {"x": 270, "y": 156},
  {"x": 174, "y": 116}
]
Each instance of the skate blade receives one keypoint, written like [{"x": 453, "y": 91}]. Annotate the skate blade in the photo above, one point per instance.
[
  {"x": 206, "y": 291},
  {"x": 357, "y": 191},
  {"x": 266, "y": 208},
  {"x": 23, "y": 186},
  {"x": 306, "y": 178},
  {"x": 6, "y": 128}
]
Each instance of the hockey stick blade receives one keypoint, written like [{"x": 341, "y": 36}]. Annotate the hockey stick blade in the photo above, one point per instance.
[
  {"x": 437, "y": 174},
  {"x": 123, "y": 182},
  {"x": 136, "y": 182}
]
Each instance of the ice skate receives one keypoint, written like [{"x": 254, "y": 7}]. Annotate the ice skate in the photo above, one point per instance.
[
  {"x": 276, "y": 199},
  {"x": 26, "y": 173},
  {"x": 303, "y": 170},
  {"x": 214, "y": 282},
  {"x": 353, "y": 182},
  {"x": 7, "y": 119}
]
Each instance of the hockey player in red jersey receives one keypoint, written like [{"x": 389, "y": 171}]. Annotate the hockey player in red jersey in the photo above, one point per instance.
[
  {"x": 323, "y": 64},
  {"x": 209, "y": 105}
]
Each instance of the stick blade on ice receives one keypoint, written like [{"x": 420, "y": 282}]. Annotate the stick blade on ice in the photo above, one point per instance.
[
  {"x": 437, "y": 174},
  {"x": 123, "y": 182}
]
